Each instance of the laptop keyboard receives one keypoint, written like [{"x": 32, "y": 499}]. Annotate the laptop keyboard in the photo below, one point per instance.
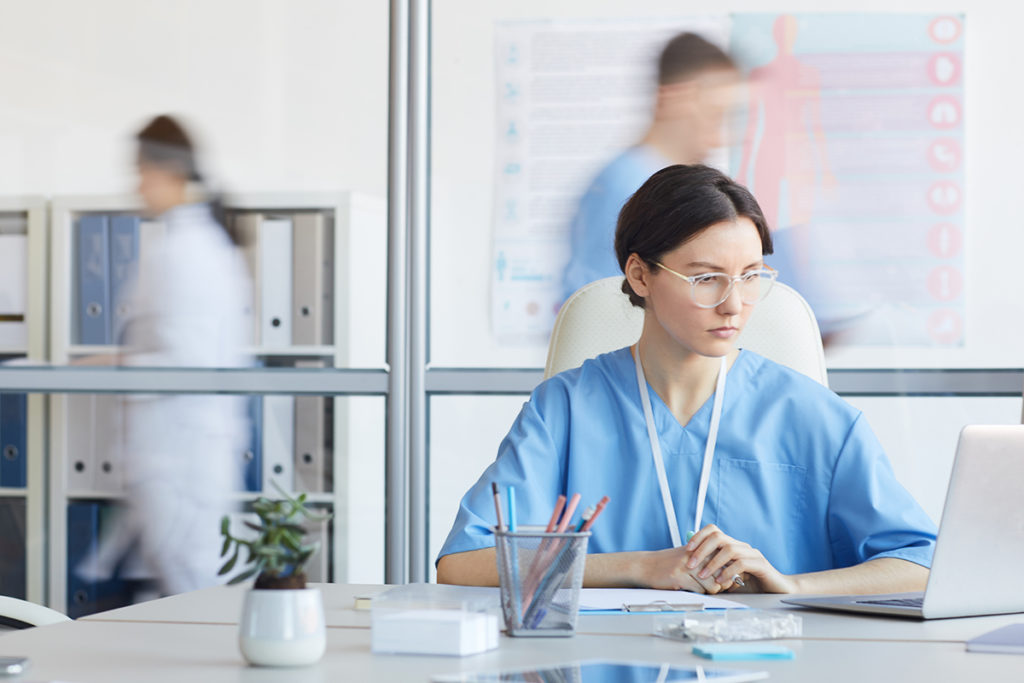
[{"x": 895, "y": 602}]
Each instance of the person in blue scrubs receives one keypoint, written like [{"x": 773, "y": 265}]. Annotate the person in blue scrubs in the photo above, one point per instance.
[
  {"x": 800, "y": 496},
  {"x": 696, "y": 87}
]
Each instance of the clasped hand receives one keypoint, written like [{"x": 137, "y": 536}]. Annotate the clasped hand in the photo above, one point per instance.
[{"x": 710, "y": 562}]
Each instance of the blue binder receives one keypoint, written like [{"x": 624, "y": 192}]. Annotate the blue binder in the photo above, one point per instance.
[
  {"x": 12, "y": 547},
  {"x": 252, "y": 472},
  {"x": 124, "y": 265},
  {"x": 13, "y": 423},
  {"x": 85, "y": 520},
  {"x": 93, "y": 280}
]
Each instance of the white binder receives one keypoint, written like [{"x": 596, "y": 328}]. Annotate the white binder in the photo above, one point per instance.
[
  {"x": 81, "y": 461},
  {"x": 94, "y": 438},
  {"x": 317, "y": 569},
  {"x": 312, "y": 300},
  {"x": 278, "y": 443},
  {"x": 312, "y": 458},
  {"x": 275, "y": 282},
  {"x": 247, "y": 226},
  {"x": 108, "y": 470},
  {"x": 13, "y": 287}
]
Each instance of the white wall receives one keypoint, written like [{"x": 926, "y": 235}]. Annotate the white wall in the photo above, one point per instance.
[
  {"x": 285, "y": 95},
  {"x": 463, "y": 139}
]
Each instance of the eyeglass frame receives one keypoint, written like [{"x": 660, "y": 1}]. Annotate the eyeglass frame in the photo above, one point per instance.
[{"x": 692, "y": 280}]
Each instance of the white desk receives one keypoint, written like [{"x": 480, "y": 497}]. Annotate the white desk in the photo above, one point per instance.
[
  {"x": 223, "y": 605},
  {"x": 165, "y": 641}
]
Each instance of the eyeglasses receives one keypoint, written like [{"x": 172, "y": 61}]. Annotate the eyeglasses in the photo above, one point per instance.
[{"x": 709, "y": 290}]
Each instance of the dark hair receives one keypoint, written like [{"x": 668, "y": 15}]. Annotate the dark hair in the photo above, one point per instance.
[
  {"x": 163, "y": 142},
  {"x": 687, "y": 55},
  {"x": 675, "y": 205}
]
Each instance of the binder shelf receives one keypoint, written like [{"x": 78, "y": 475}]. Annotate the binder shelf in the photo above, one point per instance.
[
  {"x": 311, "y": 258},
  {"x": 23, "y": 330}
]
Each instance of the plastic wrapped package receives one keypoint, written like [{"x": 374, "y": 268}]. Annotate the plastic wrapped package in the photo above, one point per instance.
[{"x": 728, "y": 625}]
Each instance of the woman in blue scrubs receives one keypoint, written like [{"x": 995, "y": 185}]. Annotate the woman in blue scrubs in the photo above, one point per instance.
[{"x": 726, "y": 471}]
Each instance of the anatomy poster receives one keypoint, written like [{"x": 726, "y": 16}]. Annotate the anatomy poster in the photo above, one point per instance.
[
  {"x": 849, "y": 131},
  {"x": 853, "y": 145}
]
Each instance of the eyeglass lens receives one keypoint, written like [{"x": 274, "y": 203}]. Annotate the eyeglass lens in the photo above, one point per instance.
[{"x": 712, "y": 290}]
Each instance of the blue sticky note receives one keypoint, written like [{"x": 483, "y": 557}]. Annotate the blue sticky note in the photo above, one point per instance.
[{"x": 744, "y": 651}]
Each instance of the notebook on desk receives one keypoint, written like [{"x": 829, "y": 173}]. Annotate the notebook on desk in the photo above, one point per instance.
[{"x": 980, "y": 547}]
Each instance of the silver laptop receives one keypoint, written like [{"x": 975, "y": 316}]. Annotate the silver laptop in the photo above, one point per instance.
[{"x": 982, "y": 533}]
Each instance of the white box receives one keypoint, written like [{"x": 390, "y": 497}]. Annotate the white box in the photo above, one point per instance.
[{"x": 434, "y": 632}]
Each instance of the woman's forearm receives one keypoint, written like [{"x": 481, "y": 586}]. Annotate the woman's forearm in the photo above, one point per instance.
[
  {"x": 603, "y": 570},
  {"x": 884, "y": 575}
]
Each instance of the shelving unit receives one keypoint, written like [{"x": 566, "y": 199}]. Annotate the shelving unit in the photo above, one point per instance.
[
  {"x": 357, "y": 258},
  {"x": 28, "y": 214}
]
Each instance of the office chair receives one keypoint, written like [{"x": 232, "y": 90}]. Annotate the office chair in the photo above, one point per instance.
[
  {"x": 18, "y": 614},
  {"x": 599, "y": 318}
]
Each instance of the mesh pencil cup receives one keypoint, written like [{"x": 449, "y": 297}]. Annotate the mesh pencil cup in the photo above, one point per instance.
[{"x": 540, "y": 576}]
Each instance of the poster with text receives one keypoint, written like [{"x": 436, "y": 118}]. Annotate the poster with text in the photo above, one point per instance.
[{"x": 571, "y": 95}]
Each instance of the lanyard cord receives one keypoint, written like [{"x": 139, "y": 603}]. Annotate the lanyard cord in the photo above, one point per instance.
[{"x": 659, "y": 461}]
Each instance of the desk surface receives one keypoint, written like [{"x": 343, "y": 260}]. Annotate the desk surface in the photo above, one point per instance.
[
  {"x": 93, "y": 651},
  {"x": 223, "y": 605},
  {"x": 194, "y": 637}
]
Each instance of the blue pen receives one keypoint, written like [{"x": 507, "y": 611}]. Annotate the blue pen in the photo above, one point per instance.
[
  {"x": 513, "y": 551},
  {"x": 512, "y": 509}
]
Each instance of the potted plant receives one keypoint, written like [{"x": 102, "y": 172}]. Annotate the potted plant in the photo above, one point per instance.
[{"x": 282, "y": 620}]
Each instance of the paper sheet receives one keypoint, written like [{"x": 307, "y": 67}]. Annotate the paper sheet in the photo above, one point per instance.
[{"x": 594, "y": 599}]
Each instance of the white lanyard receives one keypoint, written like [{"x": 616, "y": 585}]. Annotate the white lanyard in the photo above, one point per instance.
[{"x": 659, "y": 462}]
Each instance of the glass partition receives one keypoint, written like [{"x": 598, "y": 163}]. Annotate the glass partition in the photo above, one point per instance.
[{"x": 139, "y": 483}]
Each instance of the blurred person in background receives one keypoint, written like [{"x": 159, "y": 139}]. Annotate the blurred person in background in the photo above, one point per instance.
[
  {"x": 697, "y": 86},
  {"x": 185, "y": 309}
]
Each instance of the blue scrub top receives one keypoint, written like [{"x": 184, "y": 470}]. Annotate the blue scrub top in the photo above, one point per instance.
[
  {"x": 797, "y": 472},
  {"x": 592, "y": 252}
]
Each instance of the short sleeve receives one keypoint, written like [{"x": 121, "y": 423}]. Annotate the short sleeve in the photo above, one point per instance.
[
  {"x": 593, "y": 237},
  {"x": 870, "y": 514},
  {"x": 529, "y": 458}
]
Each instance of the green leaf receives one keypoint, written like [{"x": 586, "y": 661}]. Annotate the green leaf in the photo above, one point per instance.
[
  {"x": 229, "y": 565},
  {"x": 225, "y": 526},
  {"x": 226, "y": 547},
  {"x": 254, "y": 527},
  {"x": 247, "y": 574}
]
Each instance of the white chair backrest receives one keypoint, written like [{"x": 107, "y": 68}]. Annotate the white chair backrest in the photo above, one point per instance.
[
  {"x": 599, "y": 318},
  {"x": 29, "y": 613}
]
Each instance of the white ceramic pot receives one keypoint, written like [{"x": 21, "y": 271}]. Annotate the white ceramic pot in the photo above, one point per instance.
[{"x": 282, "y": 627}]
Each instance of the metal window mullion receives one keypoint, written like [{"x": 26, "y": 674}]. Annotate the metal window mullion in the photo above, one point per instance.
[
  {"x": 396, "y": 447},
  {"x": 419, "y": 134}
]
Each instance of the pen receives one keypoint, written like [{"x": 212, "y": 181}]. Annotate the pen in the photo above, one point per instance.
[
  {"x": 497, "y": 505},
  {"x": 514, "y": 559},
  {"x": 593, "y": 517},
  {"x": 512, "y": 509},
  {"x": 585, "y": 519}
]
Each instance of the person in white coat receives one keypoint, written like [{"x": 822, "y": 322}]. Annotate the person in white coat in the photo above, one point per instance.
[{"x": 186, "y": 309}]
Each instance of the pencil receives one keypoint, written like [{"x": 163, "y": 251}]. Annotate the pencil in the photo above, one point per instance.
[
  {"x": 569, "y": 510},
  {"x": 559, "y": 506},
  {"x": 497, "y": 505}
]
